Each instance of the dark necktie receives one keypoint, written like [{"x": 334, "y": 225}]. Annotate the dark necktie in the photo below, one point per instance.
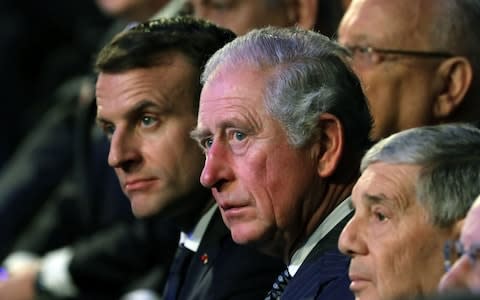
[
  {"x": 177, "y": 272},
  {"x": 279, "y": 286}
]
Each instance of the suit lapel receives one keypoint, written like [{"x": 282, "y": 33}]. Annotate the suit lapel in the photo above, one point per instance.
[
  {"x": 324, "y": 264},
  {"x": 208, "y": 251}
]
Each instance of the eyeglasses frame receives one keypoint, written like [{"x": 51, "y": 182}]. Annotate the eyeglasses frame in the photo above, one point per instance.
[{"x": 459, "y": 248}]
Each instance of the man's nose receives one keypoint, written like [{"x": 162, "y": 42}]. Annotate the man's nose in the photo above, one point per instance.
[
  {"x": 123, "y": 151},
  {"x": 217, "y": 167},
  {"x": 350, "y": 242}
]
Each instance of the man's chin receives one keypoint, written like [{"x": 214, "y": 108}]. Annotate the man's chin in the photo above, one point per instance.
[
  {"x": 141, "y": 209},
  {"x": 140, "y": 213},
  {"x": 246, "y": 233},
  {"x": 260, "y": 241},
  {"x": 241, "y": 234}
]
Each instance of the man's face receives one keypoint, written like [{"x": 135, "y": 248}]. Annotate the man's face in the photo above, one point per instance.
[
  {"x": 117, "y": 7},
  {"x": 395, "y": 250},
  {"x": 266, "y": 189},
  {"x": 465, "y": 273},
  {"x": 148, "y": 114},
  {"x": 400, "y": 89},
  {"x": 241, "y": 16},
  {"x": 133, "y": 10}
]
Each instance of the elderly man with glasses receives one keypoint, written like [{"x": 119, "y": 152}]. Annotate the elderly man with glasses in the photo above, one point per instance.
[
  {"x": 415, "y": 189},
  {"x": 418, "y": 60},
  {"x": 462, "y": 256}
]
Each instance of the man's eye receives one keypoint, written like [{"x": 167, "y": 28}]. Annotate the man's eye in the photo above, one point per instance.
[
  {"x": 475, "y": 252},
  {"x": 363, "y": 50},
  {"x": 380, "y": 217},
  {"x": 221, "y": 4},
  {"x": 108, "y": 130},
  {"x": 148, "y": 121},
  {"x": 207, "y": 143},
  {"x": 239, "y": 136}
]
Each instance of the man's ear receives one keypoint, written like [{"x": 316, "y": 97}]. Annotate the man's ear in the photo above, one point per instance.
[
  {"x": 457, "y": 229},
  {"x": 331, "y": 144},
  {"x": 455, "y": 77},
  {"x": 303, "y": 13}
]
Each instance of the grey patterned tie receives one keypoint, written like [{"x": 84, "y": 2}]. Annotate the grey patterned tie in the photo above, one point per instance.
[{"x": 279, "y": 286}]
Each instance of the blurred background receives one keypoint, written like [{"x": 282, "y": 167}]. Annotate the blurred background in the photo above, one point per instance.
[{"x": 42, "y": 44}]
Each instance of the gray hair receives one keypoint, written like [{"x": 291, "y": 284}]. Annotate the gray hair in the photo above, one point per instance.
[
  {"x": 449, "y": 156},
  {"x": 307, "y": 76}
]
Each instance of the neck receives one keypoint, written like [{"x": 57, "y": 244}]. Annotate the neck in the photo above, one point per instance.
[
  {"x": 333, "y": 194},
  {"x": 188, "y": 210}
]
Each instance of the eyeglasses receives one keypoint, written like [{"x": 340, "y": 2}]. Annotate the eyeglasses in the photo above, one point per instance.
[
  {"x": 372, "y": 56},
  {"x": 453, "y": 250}
]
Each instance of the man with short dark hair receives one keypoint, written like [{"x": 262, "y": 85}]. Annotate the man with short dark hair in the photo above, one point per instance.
[{"x": 147, "y": 101}]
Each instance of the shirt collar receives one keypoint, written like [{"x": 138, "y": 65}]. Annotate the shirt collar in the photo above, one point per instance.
[
  {"x": 192, "y": 241},
  {"x": 335, "y": 217}
]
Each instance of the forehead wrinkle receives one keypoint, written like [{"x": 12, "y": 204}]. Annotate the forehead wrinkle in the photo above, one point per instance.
[
  {"x": 236, "y": 121},
  {"x": 240, "y": 106},
  {"x": 402, "y": 31},
  {"x": 138, "y": 108},
  {"x": 399, "y": 182},
  {"x": 140, "y": 86},
  {"x": 409, "y": 26},
  {"x": 145, "y": 104},
  {"x": 240, "y": 113},
  {"x": 381, "y": 198}
]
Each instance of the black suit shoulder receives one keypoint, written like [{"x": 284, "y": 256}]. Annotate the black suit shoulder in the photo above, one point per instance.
[{"x": 112, "y": 261}]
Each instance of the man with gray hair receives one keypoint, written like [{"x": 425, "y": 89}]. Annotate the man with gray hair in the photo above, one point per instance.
[
  {"x": 415, "y": 189},
  {"x": 284, "y": 123}
]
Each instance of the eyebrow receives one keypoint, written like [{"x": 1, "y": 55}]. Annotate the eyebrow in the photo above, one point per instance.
[
  {"x": 382, "y": 198},
  {"x": 370, "y": 199},
  {"x": 375, "y": 199},
  {"x": 199, "y": 133},
  {"x": 135, "y": 110}
]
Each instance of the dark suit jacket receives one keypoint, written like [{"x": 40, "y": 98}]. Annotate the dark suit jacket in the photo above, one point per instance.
[
  {"x": 455, "y": 295},
  {"x": 129, "y": 256},
  {"x": 112, "y": 262},
  {"x": 59, "y": 188},
  {"x": 324, "y": 274},
  {"x": 232, "y": 271}
]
